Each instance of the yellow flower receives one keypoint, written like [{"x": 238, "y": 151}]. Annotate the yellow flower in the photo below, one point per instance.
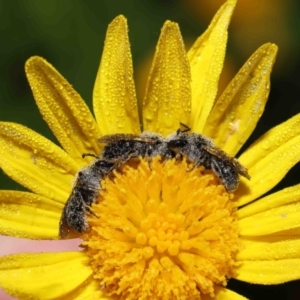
[{"x": 161, "y": 232}]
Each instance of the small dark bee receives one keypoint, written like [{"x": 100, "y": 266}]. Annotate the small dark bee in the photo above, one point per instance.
[
  {"x": 83, "y": 195},
  {"x": 120, "y": 148},
  {"x": 201, "y": 150},
  {"x": 127, "y": 146}
]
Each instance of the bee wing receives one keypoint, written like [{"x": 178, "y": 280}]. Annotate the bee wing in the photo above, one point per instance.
[
  {"x": 239, "y": 168},
  {"x": 226, "y": 172},
  {"x": 111, "y": 138}
]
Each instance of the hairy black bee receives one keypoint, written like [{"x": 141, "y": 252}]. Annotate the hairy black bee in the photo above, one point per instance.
[
  {"x": 127, "y": 146},
  {"x": 120, "y": 148},
  {"x": 201, "y": 150},
  {"x": 84, "y": 193}
]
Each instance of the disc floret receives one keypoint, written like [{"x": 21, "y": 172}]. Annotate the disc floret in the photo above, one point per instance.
[{"x": 162, "y": 230}]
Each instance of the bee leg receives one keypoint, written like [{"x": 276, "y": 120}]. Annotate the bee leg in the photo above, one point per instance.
[
  {"x": 89, "y": 154},
  {"x": 192, "y": 168},
  {"x": 87, "y": 209},
  {"x": 149, "y": 157},
  {"x": 149, "y": 163},
  {"x": 195, "y": 165},
  {"x": 178, "y": 157},
  {"x": 102, "y": 189},
  {"x": 110, "y": 176}
]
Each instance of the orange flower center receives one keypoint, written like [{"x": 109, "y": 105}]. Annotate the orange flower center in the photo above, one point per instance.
[{"x": 163, "y": 231}]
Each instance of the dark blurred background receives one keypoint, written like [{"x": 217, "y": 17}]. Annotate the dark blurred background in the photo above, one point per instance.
[{"x": 70, "y": 35}]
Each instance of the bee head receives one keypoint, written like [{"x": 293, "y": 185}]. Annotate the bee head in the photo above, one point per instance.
[{"x": 177, "y": 144}]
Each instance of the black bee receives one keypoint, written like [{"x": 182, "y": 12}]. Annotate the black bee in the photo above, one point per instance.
[
  {"x": 120, "y": 148},
  {"x": 83, "y": 195},
  {"x": 201, "y": 151},
  {"x": 127, "y": 146}
]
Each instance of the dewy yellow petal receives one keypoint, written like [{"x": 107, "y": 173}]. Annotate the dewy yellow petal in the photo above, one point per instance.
[
  {"x": 43, "y": 275},
  {"x": 90, "y": 290},
  {"x": 238, "y": 110},
  {"x": 270, "y": 141},
  {"x": 274, "y": 220},
  {"x": 269, "y": 272},
  {"x": 206, "y": 59},
  {"x": 284, "y": 249},
  {"x": 35, "y": 162},
  {"x": 283, "y": 197},
  {"x": 267, "y": 172},
  {"x": 63, "y": 109},
  {"x": 167, "y": 100},
  {"x": 115, "y": 103},
  {"x": 223, "y": 294},
  {"x": 28, "y": 215}
]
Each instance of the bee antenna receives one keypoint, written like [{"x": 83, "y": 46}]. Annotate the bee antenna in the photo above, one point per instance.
[{"x": 186, "y": 128}]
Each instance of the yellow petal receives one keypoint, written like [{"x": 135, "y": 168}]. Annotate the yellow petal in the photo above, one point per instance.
[
  {"x": 88, "y": 291},
  {"x": 270, "y": 141},
  {"x": 271, "y": 221},
  {"x": 28, "y": 215},
  {"x": 269, "y": 272},
  {"x": 167, "y": 99},
  {"x": 238, "y": 110},
  {"x": 223, "y": 294},
  {"x": 35, "y": 162},
  {"x": 269, "y": 170},
  {"x": 285, "y": 196},
  {"x": 115, "y": 103},
  {"x": 43, "y": 276},
  {"x": 63, "y": 109},
  {"x": 265, "y": 250},
  {"x": 206, "y": 59}
]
